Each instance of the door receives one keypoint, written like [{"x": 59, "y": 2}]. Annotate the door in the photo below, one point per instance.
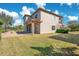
[
  {"x": 37, "y": 28},
  {"x": 29, "y": 28}
]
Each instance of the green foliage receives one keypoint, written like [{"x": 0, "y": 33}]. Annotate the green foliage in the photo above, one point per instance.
[
  {"x": 18, "y": 28},
  {"x": 0, "y": 28},
  {"x": 6, "y": 19},
  {"x": 73, "y": 25},
  {"x": 62, "y": 31},
  {"x": 1, "y": 22}
]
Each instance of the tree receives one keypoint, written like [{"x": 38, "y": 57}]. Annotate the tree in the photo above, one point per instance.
[
  {"x": 18, "y": 28},
  {"x": 1, "y": 22},
  {"x": 73, "y": 25},
  {"x": 7, "y": 20}
]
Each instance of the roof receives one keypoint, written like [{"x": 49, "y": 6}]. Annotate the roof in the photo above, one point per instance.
[
  {"x": 41, "y": 9},
  {"x": 46, "y": 12},
  {"x": 26, "y": 15}
]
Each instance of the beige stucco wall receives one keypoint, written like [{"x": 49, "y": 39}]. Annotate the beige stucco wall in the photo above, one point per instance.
[
  {"x": 48, "y": 21},
  {"x": 38, "y": 15},
  {"x": 37, "y": 28},
  {"x": 37, "y": 25}
]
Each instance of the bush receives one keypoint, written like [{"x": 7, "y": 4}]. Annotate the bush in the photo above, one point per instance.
[
  {"x": 62, "y": 31},
  {"x": 2, "y": 30}
]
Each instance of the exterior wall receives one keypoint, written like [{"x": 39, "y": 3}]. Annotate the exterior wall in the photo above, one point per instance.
[
  {"x": 37, "y": 28},
  {"x": 48, "y": 21},
  {"x": 37, "y": 25},
  {"x": 25, "y": 19},
  {"x": 39, "y": 17}
]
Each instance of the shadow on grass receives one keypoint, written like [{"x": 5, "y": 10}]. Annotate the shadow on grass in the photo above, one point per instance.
[
  {"x": 50, "y": 51},
  {"x": 71, "y": 38},
  {"x": 21, "y": 32},
  {"x": 69, "y": 51},
  {"x": 45, "y": 51}
]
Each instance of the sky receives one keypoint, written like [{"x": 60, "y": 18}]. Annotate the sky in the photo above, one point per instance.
[{"x": 69, "y": 11}]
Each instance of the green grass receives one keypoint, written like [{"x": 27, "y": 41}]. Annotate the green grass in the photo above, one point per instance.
[{"x": 40, "y": 44}]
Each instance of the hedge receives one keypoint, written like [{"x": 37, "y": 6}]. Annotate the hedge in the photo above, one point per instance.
[{"x": 62, "y": 31}]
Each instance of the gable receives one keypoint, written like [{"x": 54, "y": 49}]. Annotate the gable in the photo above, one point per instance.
[
  {"x": 36, "y": 15},
  {"x": 40, "y": 9}
]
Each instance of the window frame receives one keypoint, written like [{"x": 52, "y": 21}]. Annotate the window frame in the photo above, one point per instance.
[
  {"x": 36, "y": 15},
  {"x": 53, "y": 27}
]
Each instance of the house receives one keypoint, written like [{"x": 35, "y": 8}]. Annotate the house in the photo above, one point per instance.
[{"x": 42, "y": 21}]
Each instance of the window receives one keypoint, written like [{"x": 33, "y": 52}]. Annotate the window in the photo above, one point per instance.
[
  {"x": 60, "y": 21},
  {"x": 53, "y": 27},
  {"x": 36, "y": 15}
]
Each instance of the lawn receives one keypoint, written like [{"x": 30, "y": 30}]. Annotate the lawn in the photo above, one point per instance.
[{"x": 41, "y": 45}]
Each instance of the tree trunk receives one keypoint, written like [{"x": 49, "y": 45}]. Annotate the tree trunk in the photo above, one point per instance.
[
  {"x": 5, "y": 27},
  {"x": 0, "y": 35}
]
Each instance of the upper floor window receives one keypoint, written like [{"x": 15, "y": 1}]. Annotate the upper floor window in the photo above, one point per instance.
[{"x": 36, "y": 15}]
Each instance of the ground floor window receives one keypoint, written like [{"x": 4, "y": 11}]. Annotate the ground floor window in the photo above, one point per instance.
[
  {"x": 53, "y": 27},
  {"x": 28, "y": 29}
]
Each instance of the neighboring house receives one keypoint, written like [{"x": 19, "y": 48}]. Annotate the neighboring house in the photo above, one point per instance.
[{"x": 42, "y": 21}]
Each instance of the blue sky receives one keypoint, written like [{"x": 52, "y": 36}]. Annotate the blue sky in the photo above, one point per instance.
[{"x": 69, "y": 11}]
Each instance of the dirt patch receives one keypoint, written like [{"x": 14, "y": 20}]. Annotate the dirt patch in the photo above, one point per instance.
[
  {"x": 9, "y": 34},
  {"x": 13, "y": 34}
]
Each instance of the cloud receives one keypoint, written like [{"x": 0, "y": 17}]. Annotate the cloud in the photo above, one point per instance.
[
  {"x": 48, "y": 9},
  {"x": 73, "y": 18},
  {"x": 14, "y": 15},
  {"x": 31, "y": 9},
  {"x": 17, "y": 22},
  {"x": 16, "y": 18},
  {"x": 63, "y": 14},
  {"x": 56, "y": 12},
  {"x": 69, "y": 4},
  {"x": 5, "y": 11},
  {"x": 41, "y": 5},
  {"x": 26, "y": 10},
  {"x": 61, "y": 4}
]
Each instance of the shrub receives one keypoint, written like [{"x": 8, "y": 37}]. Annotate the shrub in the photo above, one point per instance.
[
  {"x": 62, "y": 31},
  {"x": 2, "y": 30}
]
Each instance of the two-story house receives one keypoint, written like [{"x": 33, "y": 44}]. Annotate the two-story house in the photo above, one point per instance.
[{"x": 42, "y": 21}]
